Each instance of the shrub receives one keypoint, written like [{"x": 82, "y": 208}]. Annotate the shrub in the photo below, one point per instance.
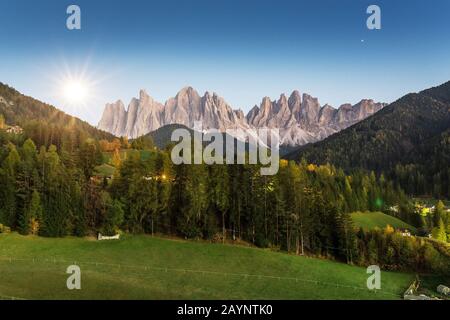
[{"x": 4, "y": 229}]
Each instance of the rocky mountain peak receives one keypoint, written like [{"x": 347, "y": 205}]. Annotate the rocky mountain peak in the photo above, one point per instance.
[
  {"x": 295, "y": 96},
  {"x": 300, "y": 118},
  {"x": 282, "y": 99},
  {"x": 187, "y": 91},
  {"x": 266, "y": 102},
  {"x": 309, "y": 109},
  {"x": 143, "y": 96}
]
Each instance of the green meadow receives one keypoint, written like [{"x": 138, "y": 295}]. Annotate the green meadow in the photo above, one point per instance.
[
  {"x": 144, "y": 267},
  {"x": 371, "y": 220}
]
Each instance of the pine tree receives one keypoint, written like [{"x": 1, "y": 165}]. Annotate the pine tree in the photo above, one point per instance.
[
  {"x": 10, "y": 167},
  {"x": 142, "y": 203},
  {"x": 218, "y": 196},
  {"x": 114, "y": 216},
  {"x": 27, "y": 178},
  {"x": 95, "y": 207},
  {"x": 439, "y": 233},
  {"x": 56, "y": 194},
  {"x": 89, "y": 156},
  {"x": 79, "y": 215},
  {"x": 31, "y": 220},
  {"x": 438, "y": 213}
]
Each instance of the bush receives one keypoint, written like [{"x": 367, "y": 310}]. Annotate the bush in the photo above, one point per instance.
[{"x": 4, "y": 229}]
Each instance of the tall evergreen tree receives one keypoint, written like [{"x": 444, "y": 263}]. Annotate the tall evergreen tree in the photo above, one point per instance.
[{"x": 31, "y": 220}]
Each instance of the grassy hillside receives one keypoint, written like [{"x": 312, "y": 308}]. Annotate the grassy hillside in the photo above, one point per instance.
[
  {"x": 145, "y": 154},
  {"x": 370, "y": 220},
  {"x": 105, "y": 170},
  {"x": 141, "y": 267}
]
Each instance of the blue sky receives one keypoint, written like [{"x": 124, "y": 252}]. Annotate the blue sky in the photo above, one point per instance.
[{"x": 243, "y": 50}]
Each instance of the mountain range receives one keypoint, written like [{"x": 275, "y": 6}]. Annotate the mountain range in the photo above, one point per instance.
[
  {"x": 300, "y": 118},
  {"x": 397, "y": 133},
  {"x": 409, "y": 139}
]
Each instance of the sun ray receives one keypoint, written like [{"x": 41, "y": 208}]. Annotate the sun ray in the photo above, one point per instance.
[{"x": 77, "y": 86}]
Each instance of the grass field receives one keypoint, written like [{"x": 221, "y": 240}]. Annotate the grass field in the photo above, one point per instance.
[
  {"x": 145, "y": 154},
  {"x": 105, "y": 170},
  {"x": 371, "y": 220},
  {"x": 142, "y": 267}
]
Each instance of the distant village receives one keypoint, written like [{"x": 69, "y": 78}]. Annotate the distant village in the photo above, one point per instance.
[
  {"x": 424, "y": 209},
  {"x": 421, "y": 208},
  {"x": 3, "y": 126}
]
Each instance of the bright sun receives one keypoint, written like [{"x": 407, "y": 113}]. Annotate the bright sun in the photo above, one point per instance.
[
  {"x": 75, "y": 92},
  {"x": 76, "y": 87}
]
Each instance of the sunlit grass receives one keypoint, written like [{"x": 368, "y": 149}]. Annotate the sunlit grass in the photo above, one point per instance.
[{"x": 142, "y": 267}]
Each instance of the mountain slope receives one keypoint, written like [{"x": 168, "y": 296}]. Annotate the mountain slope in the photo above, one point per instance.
[
  {"x": 300, "y": 119},
  {"x": 41, "y": 120},
  {"x": 162, "y": 137},
  {"x": 413, "y": 130}
]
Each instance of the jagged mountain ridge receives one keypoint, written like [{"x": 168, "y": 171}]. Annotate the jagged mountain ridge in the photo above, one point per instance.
[
  {"x": 301, "y": 119},
  {"x": 415, "y": 129}
]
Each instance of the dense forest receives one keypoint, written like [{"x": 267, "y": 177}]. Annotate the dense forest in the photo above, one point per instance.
[
  {"x": 51, "y": 187},
  {"x": 408, "y": 141},
  {"x": 303, "y": 209}
]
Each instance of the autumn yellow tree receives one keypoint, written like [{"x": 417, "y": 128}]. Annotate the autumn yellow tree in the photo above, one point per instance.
[
  {"x": 439, "y": 233},
  {"x": 389, "y": 229},
  {"x": 116, "y": 160}
]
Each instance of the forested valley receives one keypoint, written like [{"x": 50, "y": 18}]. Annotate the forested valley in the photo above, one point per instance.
[{"x": 52, "y": 187}]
